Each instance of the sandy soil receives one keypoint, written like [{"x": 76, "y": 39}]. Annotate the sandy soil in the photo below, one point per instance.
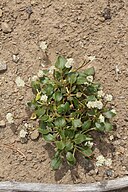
[{"x": 73, "y": 28}]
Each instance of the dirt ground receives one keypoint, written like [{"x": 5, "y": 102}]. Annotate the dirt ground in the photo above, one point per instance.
[{"x": 73, "y": 28}]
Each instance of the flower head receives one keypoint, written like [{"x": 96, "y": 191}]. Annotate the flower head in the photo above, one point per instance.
[
  {"x": 89, "y": 78},
  {"x": 40, "y": 73},
  {"x": 51, "y": 70},
  {"x": 69, "y": 63},
  {"x": 113, "y": 111},
  {"x": 108, "y": 97},
  {"x": 91, "y": 104},
  {"x": 98, "y": 104},
  {"x": 100, "y": 93},
  {"x": 101, "y": 118},
  {"x": 34, "y": 78},
  {"x": 44, "y": 98},
  {"x": 89, "y": 143},
  {"x": 100, "y": 160}
]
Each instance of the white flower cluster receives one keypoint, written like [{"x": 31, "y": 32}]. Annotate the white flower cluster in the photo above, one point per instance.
[
  {"x": 51, "y": 70},
  {"x": 102, "y": 161},
  {"x": 108, "y": 97},
  {"x": 101, "y": 118},
  {"x": 89, "y": 78},
  {"x": 40, "y": 73},
  {"x": 113, "y": 111},
  {"x": 95, "y": 104},
  {"x": 89, "y": 143},
  {"x": 69, "y": 63},
  {"x": 44, "y": 98},
  {"x": 100, "y": 93}
]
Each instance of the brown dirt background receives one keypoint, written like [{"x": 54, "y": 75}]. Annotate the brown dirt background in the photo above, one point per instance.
[{"x": 73, "y": 28}]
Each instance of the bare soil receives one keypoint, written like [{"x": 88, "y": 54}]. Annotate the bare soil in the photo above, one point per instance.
[{"x": 73, "y": 28}]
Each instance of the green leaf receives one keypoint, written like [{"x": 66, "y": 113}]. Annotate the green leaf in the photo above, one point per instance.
[
  {"x": 70, "y": 157},
  {"x": 57, "y": 75},
  {"x": 55, "y": 163},
  {"x": 109, "y": 114},
  {"x": 76, "y": 123},
  {"x": 49, "y": 137},
  {"x": 76, "y": 102},
  {"x": 40, "y": 111},
  {"x": 44, "y": 118},
  {"x": 108, "y": 127},
  {"x": 79, "y": 138},
  {"x": 86, "y": 125},
  {"x": 87, "y": 152},
  {"x": 60, "y": 122},
  {"x": 43, "y": 131},
  {"x": 69, "y": 133},
  {"x": 90, "y": 71},
  {"x": 91, "y": 98},
  {"x": 100, "y": 126},
  {"x": 57, "y": 96},
  {"x": 49, "y": 89},
  {"x": 60, "y": 145},
  {"x": 35, "y": 86},
  {"x": 68, "y": 146},
  {"x": 60, "y": 63},
  {"x": 63, "y": 108},
  {"x": 72, "y": 77},
  {"x": 81, "y": 80}
]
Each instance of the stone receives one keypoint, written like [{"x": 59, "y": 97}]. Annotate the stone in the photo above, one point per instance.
[
  {"x": 15, "y": 58},
  {"x": 1, "y": 12},
  {"x": 108, "y": 172},
  {"x": 3, "y": 67},
  {"x": 2, "y": 123},
  {"x": 6, "y": 28},
  {"x": 34, "y": 135}
]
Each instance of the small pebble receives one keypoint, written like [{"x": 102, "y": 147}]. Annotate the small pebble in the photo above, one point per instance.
[
  {"x": 2, "y": 123},
  {"x": 3, "y": 67},
  {"x": 43, "y": 45},
  {"x": 15, "y": 58},
  {"x": 108, "y": 172},
  {"x": 6, "y": 28},
  {"x": 34, "y": 135},
  {"x": 107, "y": 13}
]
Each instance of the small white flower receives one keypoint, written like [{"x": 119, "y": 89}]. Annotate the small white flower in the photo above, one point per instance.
[
  {"x": 40, "y": 73},
  {"x": 9, "y": 118},
  {"x": 78, "y": 94},
  {"x": 69, "y": 63},
  {"x": 19, "y": 82},
  {"x": 44, "y": 98},
  {"x": 100, "y": 93},
  {"x": 108, "y": 162},
  {"x": 89, "y": 143},
  {"x": 51, "y": 70},
  {"x": 113, "y": 111},
  {"x": 98, "y": 104},
  {"x": 43, "y": 45},
  {"x": 100, "y": 160},
  {"x": 101, "y": 118},
  {"x": 34, "y": 78},
  {"x": 23, "y": 133},
  {"x": 89, "y": 78},
  {"x": 91, "y": 104},
  {"x": 108, "y": 97},
  {"x": 86, "y": 83}
]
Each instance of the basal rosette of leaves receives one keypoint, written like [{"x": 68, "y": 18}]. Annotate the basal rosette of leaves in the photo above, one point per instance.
[{"x": 69, "y": 104}]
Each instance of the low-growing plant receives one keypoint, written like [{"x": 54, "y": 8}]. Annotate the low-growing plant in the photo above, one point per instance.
[{"x": 69, "y": 104}]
